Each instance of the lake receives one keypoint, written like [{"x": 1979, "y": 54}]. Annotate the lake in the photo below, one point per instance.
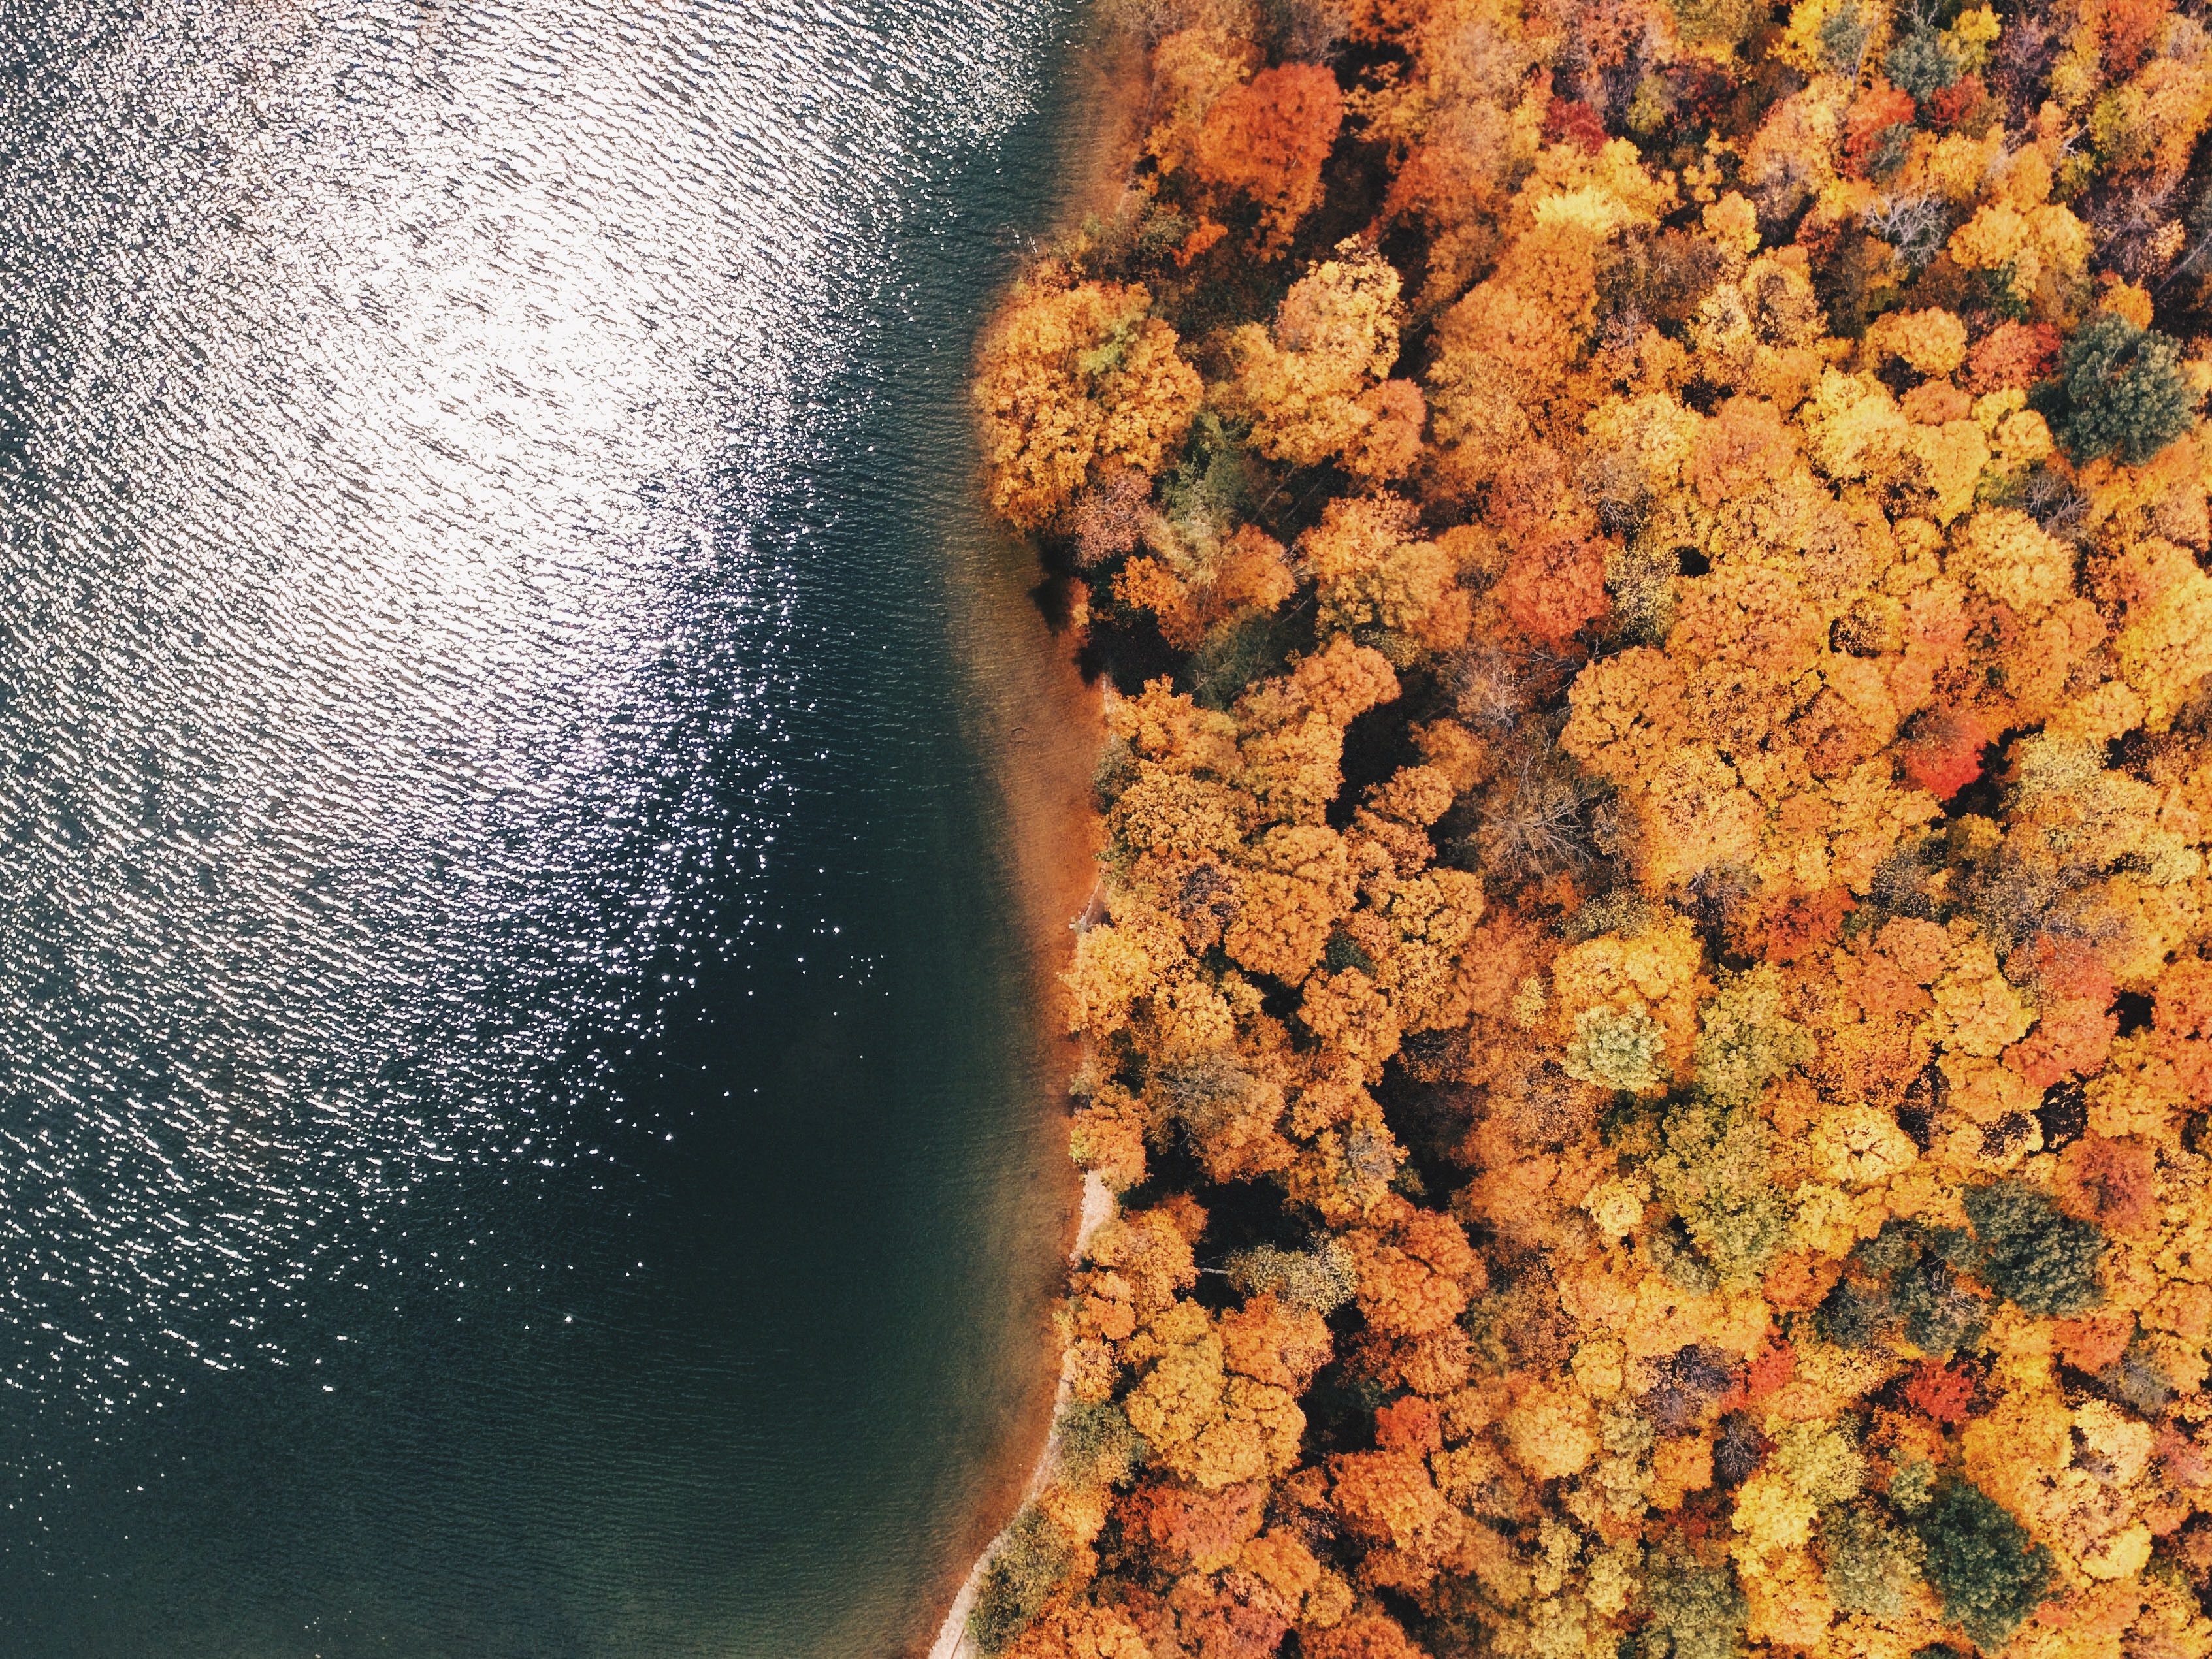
[{"x": 524, "y": 1127}]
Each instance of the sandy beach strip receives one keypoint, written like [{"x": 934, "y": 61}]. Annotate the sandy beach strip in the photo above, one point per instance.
[{"x": 953, "y": 1641}]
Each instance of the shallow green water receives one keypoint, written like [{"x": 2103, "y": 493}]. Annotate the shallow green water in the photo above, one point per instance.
[{"x": 520, "y": 1123}]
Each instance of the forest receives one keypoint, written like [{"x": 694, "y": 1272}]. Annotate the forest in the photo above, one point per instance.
[{"x": 1648, "y": 1010}]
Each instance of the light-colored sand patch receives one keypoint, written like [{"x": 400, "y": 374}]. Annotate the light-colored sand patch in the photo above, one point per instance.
[{"x": 952, "y": 1638}]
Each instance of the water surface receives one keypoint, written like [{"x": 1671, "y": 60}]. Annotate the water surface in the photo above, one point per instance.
[{"x": 518, "y": 1123}]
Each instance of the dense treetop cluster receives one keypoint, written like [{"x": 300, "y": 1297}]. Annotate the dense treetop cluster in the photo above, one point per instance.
[{"x": 1648, "y": 1007}]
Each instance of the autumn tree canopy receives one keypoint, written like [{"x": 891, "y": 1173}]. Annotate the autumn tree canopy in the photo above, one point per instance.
[{"x": 1649, "y": 1012}]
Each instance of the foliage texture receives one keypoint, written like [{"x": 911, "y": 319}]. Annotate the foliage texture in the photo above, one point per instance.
[{"x": 1648, "y": 1011}]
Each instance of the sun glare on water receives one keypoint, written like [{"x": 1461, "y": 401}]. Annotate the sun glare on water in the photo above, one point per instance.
[{"x": 398, "y": 394}]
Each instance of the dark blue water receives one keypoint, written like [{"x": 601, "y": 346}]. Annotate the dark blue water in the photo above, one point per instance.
[{"x": 521, "y": 1130}]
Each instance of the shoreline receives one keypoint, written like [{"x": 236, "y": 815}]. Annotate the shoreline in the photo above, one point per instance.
[
  {"x": 1041, "y": 725},
  {"x": 1045, "y": 727},
  {"x": 953, "y": 1641}
]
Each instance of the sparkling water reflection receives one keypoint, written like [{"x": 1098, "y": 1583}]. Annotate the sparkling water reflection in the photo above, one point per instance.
[{"x": 427, "y": 682}]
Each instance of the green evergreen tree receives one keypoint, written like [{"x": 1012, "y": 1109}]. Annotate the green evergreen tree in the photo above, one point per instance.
[
  {"x": 2119, "y": 387},
  {"x": 1923, "y": 63},
  {"x": 2042, "y": 1259},
  {"x": 1990, "y": 1574}
]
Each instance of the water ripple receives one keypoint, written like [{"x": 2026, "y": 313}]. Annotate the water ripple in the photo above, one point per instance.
[{"x": 396, "y": 401}]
